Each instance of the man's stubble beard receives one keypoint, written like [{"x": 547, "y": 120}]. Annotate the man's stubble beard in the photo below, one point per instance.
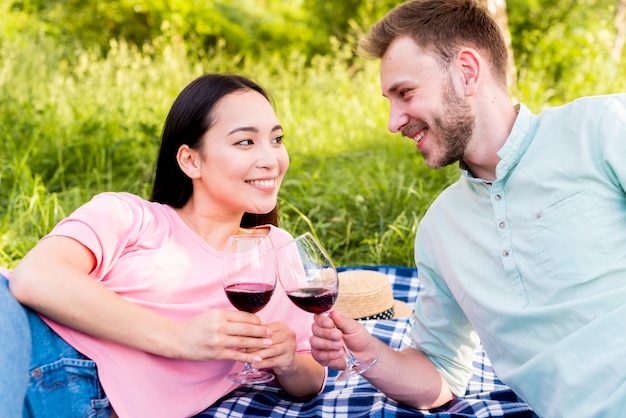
[{"x": 454, "y": 127}]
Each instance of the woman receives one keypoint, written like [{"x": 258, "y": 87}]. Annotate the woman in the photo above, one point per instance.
[{"x": 125, "y": 300}]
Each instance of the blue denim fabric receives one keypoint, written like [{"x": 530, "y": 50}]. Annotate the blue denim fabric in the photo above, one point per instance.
[
  {"x": 59, "y": 382},
  {"x": 15, "y": 350}
]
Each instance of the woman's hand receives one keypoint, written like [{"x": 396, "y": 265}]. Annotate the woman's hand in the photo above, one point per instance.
[
  {"x": 223, "y": 334},
  {"x": 298, "y": 374},
  {"x": 281, "y": 355}
]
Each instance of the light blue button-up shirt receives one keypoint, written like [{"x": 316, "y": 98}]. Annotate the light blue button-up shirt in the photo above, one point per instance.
[{"x": 534, "y": 264}]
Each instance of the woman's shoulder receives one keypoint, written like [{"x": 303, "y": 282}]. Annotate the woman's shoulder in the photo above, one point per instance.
[
  {"x": 122, "y": 197},
  {"x": 129, "y": 200},
  {"x": 119, "y": 208},
  {"x": 279, "y": 236}
]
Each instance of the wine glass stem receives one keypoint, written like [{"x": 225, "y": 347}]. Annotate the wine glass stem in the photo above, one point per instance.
[
  {"x": 348, "y": 355},
  {"x": 351, "y": 360}
]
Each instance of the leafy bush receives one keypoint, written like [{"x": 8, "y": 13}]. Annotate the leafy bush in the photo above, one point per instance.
[{"x": 562, "y": 49}]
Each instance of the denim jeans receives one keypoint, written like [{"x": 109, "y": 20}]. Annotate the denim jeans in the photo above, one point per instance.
[{"x": 41, "y": 375}]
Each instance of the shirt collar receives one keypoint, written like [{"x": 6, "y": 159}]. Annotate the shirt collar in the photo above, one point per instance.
[{"x": 513, "y": 149}]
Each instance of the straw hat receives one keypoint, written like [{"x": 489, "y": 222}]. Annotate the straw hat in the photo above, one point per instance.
[{"x": 367, "y": 294}]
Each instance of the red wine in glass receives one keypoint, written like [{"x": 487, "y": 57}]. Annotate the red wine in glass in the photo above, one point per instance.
[
  {"x": 249, "y": 297},
  {"x": 249, "y": 274},
  {"x": 311, "y": 282},
  {"x": 314, "y": 299}
]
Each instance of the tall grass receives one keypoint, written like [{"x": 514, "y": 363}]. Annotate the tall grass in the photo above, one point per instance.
[
  {"x": 71, "y": 131},
  {"x": 76, "y": 124}
]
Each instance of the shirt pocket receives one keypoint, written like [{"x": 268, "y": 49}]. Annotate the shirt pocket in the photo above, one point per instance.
[{"x": 570, "y": 238}]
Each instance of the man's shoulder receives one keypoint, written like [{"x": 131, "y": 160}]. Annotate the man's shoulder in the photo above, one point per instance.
[{"x": 590, "y": 103}]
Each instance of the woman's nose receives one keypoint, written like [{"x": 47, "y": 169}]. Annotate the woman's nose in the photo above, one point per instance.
[{"x": 267, "y": 157}]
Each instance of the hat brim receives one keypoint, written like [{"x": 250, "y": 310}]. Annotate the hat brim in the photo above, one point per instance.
[{"x": 401, "y": 309}]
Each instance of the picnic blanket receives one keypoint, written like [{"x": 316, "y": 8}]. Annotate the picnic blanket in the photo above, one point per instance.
[{"x": 486, "y": 395}]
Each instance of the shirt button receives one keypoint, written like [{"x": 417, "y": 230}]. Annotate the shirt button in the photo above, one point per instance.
[
  {"x": 498, "y": 198},
  {"x": 501, "y": 225},
  {"x": 505, "y": 253}
]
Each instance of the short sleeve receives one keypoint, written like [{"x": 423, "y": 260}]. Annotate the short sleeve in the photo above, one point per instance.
[{"x": 107, "y": 225}]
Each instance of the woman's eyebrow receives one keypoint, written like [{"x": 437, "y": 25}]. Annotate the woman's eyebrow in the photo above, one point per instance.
[
  {"x": 252, "y": 129},
  {"x": 244, "y": 129}
]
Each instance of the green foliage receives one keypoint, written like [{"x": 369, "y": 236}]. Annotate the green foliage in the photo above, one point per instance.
[
  {"x": 76, "y": 130},
  {"x": 562, "y": 49},
  {"x": 237, "y": 27},
  {"x": 85, "y": 87},
  {"x": 365, "y": 205}
]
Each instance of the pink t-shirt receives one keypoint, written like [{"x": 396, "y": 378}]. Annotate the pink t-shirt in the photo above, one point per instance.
[{"x": 148, "y": 255}]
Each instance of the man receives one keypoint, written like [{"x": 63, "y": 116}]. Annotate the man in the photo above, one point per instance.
[{"x": 526, "y": 252}]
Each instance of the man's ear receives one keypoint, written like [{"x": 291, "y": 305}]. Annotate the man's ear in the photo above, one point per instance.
[
  {"x": 470, "y": 63},
  {"x": 188, "y": 161}
]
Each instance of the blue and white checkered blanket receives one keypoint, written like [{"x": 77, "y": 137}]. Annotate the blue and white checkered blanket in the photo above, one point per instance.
[{"x": 486, "y": 396}]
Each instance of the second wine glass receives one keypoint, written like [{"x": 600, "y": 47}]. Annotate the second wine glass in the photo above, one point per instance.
[
  {"x": 249, "y": 274},
  {"x": 310, "y": 280}
]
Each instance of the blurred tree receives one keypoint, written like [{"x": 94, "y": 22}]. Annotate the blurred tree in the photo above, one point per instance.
[
  {"x": 497, "y": 9},
  {"x": 234, "y": 26},
  {"x": 564, "y": 46},
  {"x": 620, "y": 30},
  {"x": 552, "y": 38},
  {"x": 89, "y": 24}
]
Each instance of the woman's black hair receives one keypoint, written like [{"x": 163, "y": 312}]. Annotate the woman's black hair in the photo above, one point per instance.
[{"x": 187, "y": 121}]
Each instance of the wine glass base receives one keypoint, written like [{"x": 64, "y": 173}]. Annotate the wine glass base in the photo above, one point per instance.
[
  {"x": 355, "y": 369},
  {"x": 250, "y": 377}
]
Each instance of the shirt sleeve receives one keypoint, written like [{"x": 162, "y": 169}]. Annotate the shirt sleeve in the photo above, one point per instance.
[
  {"x": 440, "y": 328},
  {"x": 107, "y": 225},
  {"x": 611, "y": 128}
]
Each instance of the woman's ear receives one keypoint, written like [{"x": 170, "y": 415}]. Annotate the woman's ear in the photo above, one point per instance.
[
  {"x": 470, "y": 63},
  {"x": 188, "y": 161}
]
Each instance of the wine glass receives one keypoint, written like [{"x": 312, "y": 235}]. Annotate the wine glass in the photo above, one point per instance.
[
  {"x": 310, "y": 280},
  {"x": 249, "y": 272}
]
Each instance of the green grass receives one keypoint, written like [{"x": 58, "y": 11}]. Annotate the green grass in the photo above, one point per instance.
[{"x": 71, "y": 131}]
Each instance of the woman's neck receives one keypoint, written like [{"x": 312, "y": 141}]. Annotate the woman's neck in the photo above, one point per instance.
[{"x": 212, "y": 228}]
